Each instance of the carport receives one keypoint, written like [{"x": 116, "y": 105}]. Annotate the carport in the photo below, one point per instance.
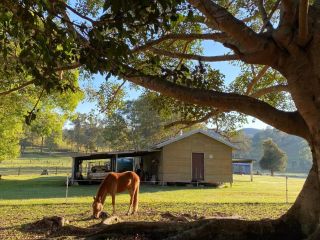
[{"x": 94, "y": 167}]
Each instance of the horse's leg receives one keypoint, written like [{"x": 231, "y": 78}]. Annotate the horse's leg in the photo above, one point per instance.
[
  {"x": 114, "y": 203},
  {"x": 131, "y": 200},
  {"x": 113, "y": 191},
  {"x": 136, "y": 199}
]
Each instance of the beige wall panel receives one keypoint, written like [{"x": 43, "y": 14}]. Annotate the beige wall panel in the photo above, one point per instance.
[{"x": 176, "y": 159}]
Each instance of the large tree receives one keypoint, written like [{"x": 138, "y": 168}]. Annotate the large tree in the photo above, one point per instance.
[
  {"x": 154, "y": 44},
  {"x": 273, "y": 159}
]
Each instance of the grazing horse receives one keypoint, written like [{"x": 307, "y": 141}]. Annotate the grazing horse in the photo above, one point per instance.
[{"x": 115, "y": 183}]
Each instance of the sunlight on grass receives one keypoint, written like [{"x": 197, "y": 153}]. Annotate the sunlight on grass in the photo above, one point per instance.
[
  {"x": 28, "y": 198},
  {"x": 35, "y": 189}
]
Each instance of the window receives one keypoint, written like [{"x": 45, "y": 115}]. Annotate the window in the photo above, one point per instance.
[{"x": 125, "y": 164}]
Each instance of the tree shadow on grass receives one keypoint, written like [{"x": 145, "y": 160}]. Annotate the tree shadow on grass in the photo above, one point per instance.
[
  {"x": 55, "y": 187},
  {"x": 221, "y": 229}
]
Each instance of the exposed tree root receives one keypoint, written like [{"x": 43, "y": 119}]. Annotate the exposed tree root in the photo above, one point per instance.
[{"x": 219, "y": 229}]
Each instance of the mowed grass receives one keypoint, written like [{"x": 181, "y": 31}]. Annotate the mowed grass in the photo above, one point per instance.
[
  {"x": 35, "y": 163},
  {"x": 36, "y": 189},
  {"x": 25, "y": 199}
]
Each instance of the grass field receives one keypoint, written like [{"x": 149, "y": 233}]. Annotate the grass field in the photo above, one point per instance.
[
  {"x": 35, "y": 163},
  {"x": 25, "y": 199}
]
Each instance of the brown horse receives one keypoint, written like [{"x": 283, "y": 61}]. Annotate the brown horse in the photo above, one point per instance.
[{"x": 115, "y": 183}]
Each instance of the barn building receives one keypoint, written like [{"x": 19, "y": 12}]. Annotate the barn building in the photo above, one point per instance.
[{"x": 196, "y": 156}]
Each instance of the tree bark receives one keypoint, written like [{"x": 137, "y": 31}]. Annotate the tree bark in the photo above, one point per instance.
[
  {"x": 271, "y": 172},
  {"x": 306, "y": 209}
]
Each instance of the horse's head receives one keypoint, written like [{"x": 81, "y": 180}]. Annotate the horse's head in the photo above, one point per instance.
[{"x": 97, "y": 207}]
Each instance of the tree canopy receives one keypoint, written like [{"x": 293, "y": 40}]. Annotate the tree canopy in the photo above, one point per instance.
[
  {"x": 145, "y": 43},
  {"x": 158, "y": 45},
  {"x": 273, "y": 159}
]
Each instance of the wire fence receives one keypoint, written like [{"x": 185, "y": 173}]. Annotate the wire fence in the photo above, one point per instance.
[
  {"x": 35, "y": 170},
  {"x": 263, "y": 189},
  {"x": 51, "y": 166}
]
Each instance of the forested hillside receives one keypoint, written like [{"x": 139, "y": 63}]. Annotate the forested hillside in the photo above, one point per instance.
[{"x": 297, "y": 149}]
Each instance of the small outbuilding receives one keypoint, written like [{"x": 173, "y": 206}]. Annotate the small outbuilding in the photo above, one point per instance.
[
  {"x": 243, "y": 167},
  {"x": 197, "y": 156}
]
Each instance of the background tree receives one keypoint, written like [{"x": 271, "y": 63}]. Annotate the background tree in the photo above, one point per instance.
[
  {"x": 244, "y": 144},
  {"x": 116, "y": 133},
  {"x": 85, "y": 132},
  {"x": 273, "y": 159},
  {"x": 250, "y": 144},
  {"x": 10, "y": 128},
  {"x": 48, "y": 125}
]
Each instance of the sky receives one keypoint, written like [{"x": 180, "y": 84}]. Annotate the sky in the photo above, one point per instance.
[{"x": 210, "y": 49}]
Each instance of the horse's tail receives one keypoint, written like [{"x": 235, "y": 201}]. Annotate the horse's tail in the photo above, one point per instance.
[{"x": 136, "y": 196}]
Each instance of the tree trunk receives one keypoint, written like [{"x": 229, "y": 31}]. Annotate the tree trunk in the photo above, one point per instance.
[
  {"x": 306, "y": 208},
  {"x": 41, "y": 147},
  {"x": 271, "y": 172}
]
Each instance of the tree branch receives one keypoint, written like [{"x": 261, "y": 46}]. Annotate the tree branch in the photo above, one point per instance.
[
  {"x": 219, "y": 18},
  {"x": 71, "y": 28},
  {"x": 290, "y": 122},
  {"x": 183, "y": 51},
  {"x": 114, "y": 94},
  {"x": 272, "y": 89},
  {"x": 275, "y": 7},
  {"x": 69, "y": 67},
  {"x": 303, "y": 22},
  {"x": 284, "y": 32},
  {"x": 256, "y": 79},
  {"x": 17, "y": 88},
  {"x": 263, "y": 12},
  {"x": 194, "y": 56},
  {"x": 75, "y": 11},
  {"x": 189, "y": 123},
  {"x": 219, "y": 37}
]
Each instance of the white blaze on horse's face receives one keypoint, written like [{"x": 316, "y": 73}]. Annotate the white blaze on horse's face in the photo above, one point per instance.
[{"x": 97, "y": 208}]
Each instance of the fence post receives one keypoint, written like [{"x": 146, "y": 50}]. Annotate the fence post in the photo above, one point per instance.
[
  {"x": 67, "y": 187},
  {"x": 19, "y": 171},
  {"x": 56, "y": 170},
  {"x": 286, "y": 189}
]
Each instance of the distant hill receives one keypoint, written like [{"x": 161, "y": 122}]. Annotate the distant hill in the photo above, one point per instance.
[
  {"x": 250, "y": 132},
  {"x": 296, "y": 148}
]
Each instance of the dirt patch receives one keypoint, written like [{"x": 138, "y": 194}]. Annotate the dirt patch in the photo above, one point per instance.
[
  {"x": 181, "y": 217},
  {"x": 111, "y": 220},
  {"x": 46, "y": 225},
  {"x": 186, "y": 217},
  {"x": 59, "y": 226}
]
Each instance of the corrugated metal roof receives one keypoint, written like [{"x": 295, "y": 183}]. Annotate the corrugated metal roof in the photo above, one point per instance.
[
  {"x": 210, "y": 134},
  {"x": 102, "y": 155},
  {"x": 243, "y": 160}
]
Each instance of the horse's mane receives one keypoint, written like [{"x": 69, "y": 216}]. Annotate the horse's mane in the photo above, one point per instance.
[{"x": 103, "y": 190}]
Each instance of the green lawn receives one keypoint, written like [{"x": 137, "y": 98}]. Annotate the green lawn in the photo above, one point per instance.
[{"x": 24, "y": 199}]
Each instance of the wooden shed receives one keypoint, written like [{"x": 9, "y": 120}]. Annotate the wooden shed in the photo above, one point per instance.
[{"x": 195, "y": 156}]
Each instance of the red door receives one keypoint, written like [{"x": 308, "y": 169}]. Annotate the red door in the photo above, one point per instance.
[{"x": 197, "y": 167}]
